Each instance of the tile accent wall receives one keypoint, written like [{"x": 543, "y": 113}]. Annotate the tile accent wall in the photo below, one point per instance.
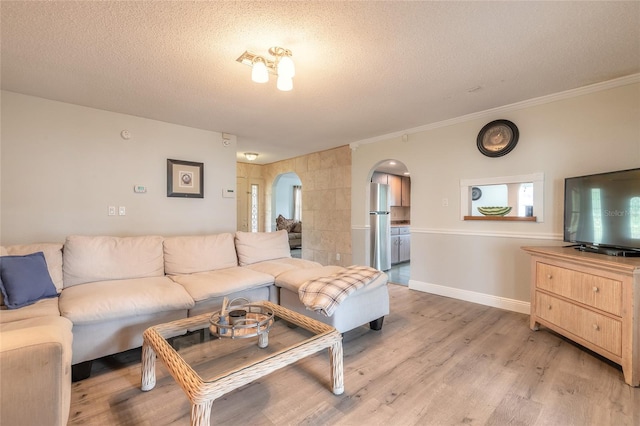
[{"x": 326, "y": 201}]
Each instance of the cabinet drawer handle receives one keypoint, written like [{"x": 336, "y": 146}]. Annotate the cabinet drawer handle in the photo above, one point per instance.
[
  {"x": 596, "y": 327},
  {"x": 549, "y": 307},
  {"x": 549, "y": 276},
  {"x": 595, "y": 289}
]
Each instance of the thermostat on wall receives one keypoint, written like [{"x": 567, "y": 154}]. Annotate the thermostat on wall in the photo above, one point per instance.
[
  {"x": 140, "y": 189},
  {"x": 228, "y": 193}
]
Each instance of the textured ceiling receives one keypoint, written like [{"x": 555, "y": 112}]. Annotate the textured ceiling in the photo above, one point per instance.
[{"x": 363, "y": 69}]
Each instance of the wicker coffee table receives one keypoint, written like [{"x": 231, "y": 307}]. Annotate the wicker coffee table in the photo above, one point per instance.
[{"x": 207, "y": 367}]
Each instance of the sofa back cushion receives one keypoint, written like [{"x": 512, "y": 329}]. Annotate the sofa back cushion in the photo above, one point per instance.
[
  {"x": 52, "y": 255},
  {"x": 191, "y": 254},
  {"x": 25, "y": 279},
  {"x": 101, "y": 258},
  {"x": 253, "y": 247}
]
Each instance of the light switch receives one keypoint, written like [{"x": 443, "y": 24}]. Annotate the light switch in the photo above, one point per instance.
[
  {"x": 112, "y": 210},
  {"x": 122, "y": 211}
]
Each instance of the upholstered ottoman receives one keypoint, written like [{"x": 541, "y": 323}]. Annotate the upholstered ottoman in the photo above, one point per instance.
[{"x": 368, "y": 304}]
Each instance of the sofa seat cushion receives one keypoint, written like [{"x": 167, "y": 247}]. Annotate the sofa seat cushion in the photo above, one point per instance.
[
  {"x": 42, "y": 308},
  {"x": 26, "y": 327},
  {"x": 103, "y": 258},
  {"x": 278, "y": 266},
  {"x": 253, "y": 247},
  {"x": 191, "y": 254},
  {"x": 205, "y": 285},
  {"x": 108, "y": 300}
]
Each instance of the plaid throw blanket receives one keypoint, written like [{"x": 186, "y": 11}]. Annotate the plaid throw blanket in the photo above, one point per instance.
[{"x": 324, "y": 294}]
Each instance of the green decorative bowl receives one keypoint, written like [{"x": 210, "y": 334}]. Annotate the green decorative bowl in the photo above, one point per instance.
[{"x": 494, "y": 211}]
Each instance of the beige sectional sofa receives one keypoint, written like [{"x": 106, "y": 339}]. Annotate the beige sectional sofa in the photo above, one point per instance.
[{"x": 112, "y": 288}]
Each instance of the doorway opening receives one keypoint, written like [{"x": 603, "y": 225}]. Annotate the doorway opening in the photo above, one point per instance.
[
  {"x": 287, "y": 209},
  {"x": 250, "y": 208},
  {"x": 390, "y": 192}
]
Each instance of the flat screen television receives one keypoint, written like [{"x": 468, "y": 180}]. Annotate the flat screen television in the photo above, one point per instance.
[{"x": 602, "y": 212}]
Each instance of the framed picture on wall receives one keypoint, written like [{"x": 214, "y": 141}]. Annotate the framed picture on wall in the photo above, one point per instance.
[
  {"x": 185, "y": 179},
  {"x": 497, "y": 138}
]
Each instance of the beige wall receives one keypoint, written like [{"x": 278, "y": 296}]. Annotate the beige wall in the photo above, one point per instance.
[
  {"x": 582, "y": 133},
  {"x": 326, "y": 201},
  {"x": 62, "y": 165}
]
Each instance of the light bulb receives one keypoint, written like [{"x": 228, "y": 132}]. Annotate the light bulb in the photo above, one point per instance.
[
  {"x": 284, "y": 83},
  {"x": 286, "y": 67},
  {"x": 259, "y": 72}
]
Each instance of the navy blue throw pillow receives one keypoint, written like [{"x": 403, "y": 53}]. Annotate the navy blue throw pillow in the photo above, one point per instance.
[{"x": 25, "y": 279}]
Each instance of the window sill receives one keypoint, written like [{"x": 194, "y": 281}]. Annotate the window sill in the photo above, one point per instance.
[{"x": 503, "y": 218}]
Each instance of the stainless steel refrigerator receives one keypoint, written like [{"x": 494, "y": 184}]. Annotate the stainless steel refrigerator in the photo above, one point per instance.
[{"x": 380, "y": 223}]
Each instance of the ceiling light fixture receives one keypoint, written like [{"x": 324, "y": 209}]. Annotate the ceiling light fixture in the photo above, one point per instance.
[
  {"x": 250, "y": 156},
  {"x": 282, "y": 66}
]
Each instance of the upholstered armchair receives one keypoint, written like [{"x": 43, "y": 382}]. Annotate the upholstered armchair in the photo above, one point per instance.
[{"x": 293, "y": 228}]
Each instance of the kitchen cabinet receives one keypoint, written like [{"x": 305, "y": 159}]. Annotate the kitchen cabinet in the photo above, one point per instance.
[
  {"x": 406, "y": 191},
  {"x": 394, "y": 249},
  {"x": 404, "y": 248},
  {"x": 400, "y": 244},
  {"x": 591, "y": 299},
  {"x": 399, "y": 188},
  {"x": 379, "y": 177},
  {"x": 395, "y": 185}
]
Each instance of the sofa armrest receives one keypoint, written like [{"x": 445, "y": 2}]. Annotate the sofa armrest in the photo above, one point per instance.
[{"x": 35, "y": 371}]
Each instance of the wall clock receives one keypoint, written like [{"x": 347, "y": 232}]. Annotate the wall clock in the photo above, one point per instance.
[{"x": 498, "y": 138}]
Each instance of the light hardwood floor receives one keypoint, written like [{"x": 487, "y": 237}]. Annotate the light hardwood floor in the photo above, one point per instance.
[{"x": 437, "y": 361}]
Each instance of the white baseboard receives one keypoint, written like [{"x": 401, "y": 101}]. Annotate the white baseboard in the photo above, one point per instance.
[{"x": 472, "y": 296}]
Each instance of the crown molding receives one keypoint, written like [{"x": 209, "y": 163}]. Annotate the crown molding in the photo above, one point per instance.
[{"x": 567, "y": 94}]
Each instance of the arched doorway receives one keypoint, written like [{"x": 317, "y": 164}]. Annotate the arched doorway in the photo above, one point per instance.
[
  {"x": 286, "y": 209},
  {"x": 390, "y": 191}
]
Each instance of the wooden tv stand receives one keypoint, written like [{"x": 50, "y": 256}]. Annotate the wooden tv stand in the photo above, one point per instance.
[{"x": 592, "y": 299}]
